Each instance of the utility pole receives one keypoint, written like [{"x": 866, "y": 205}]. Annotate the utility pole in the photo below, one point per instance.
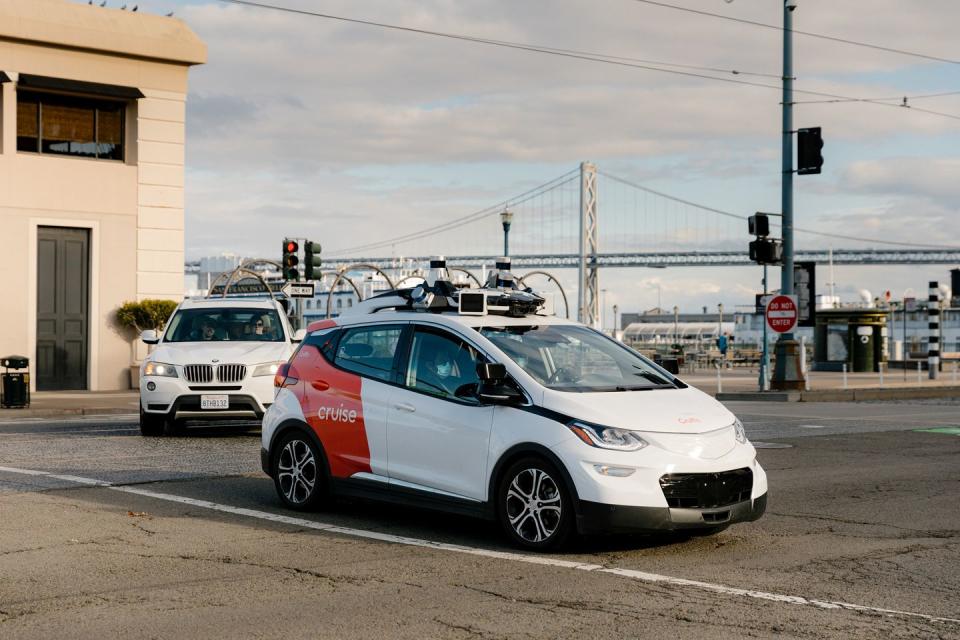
[{"x": 787, "y": 374}]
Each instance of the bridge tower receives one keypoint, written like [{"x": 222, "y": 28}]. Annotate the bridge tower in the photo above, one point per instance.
[{"x": 588, "y": 307}]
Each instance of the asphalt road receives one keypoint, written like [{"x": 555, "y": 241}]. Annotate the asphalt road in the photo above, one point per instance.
[{"x": 861, "y": 539}]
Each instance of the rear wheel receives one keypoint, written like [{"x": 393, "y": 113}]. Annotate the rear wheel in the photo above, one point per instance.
[
  {"x": 151, "y": 424},
  {"x": 298, "y": 472},
  {"x": 534, "y": 506}
]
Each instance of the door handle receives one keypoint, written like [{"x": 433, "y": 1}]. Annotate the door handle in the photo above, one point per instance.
[
  {"x": 403, "y": 406},
  {"x": 320, "y": 385}
]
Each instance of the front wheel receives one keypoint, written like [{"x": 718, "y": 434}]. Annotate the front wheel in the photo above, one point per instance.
[
  {"x": 298, "y": 472},
  {"x": 533, "y": 505},
  {"x": 151, "y": 424}
]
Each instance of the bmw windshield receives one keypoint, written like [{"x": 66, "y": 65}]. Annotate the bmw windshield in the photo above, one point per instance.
[
  {"x": 225, "y": 324},
  {"x": 577, "y": 359}
]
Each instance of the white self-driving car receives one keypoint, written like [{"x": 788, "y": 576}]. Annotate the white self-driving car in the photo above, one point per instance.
[
  {"x": 215, "y": 360},
  {"x": 471, "y": 401}
]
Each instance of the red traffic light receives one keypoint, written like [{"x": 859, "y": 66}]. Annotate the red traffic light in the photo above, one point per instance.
[{"x": 291, "y": 246}]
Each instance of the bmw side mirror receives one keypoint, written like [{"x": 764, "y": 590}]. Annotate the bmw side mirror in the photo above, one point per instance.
[
  {"x": 299, "y": 335},
  {"x": 149, "y": 336}
]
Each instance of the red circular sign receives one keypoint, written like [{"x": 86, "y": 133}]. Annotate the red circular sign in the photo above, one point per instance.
[{"x": 782, "y": 314}]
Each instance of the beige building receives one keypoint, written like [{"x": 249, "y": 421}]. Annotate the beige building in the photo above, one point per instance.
[{"x": 92, "y": 113}]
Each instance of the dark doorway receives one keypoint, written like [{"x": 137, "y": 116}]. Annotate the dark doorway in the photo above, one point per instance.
[{"x": 63, "y": 300}]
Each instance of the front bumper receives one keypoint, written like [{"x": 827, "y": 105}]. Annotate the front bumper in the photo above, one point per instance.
[
  {"x": 597, "y": 518},
  {"x": 179, "y": 400}
]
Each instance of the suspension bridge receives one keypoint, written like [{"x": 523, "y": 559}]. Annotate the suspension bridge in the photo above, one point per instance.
[
  {"x": 562, "y": 227},
  {"x": 559, "y": 225}
]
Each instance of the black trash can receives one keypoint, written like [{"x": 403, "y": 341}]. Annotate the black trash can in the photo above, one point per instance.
[{"x": 15, "y": 386}]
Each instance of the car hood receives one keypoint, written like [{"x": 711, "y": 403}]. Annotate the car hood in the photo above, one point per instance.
[
  {"x": 676, "y": 411},
  {"x": 225, "y": 352}
]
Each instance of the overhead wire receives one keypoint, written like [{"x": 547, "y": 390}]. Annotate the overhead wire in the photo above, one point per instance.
[
  {"x": 612, "y": 60},
  {"x": 811, "y": 34}
]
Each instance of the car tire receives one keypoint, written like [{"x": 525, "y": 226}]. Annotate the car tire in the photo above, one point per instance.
[
  {"x": 299, "y": 472},
  {"x": 534, "y": 506},
  {"x": 173, "y": 427},
  {"x": 151, "y": 425}
]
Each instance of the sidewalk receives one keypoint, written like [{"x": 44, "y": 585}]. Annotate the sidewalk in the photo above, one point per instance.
[
  {"x": 50, "y": 404},
  {"x": 829, "y": 386}
]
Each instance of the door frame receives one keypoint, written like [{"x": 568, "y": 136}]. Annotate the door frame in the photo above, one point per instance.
[{"x": 93, "y": 309}]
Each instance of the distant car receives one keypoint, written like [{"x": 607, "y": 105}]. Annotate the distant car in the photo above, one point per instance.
[
  {"x": 215, "y": 361},
  {"x": 474, "y": 403}
]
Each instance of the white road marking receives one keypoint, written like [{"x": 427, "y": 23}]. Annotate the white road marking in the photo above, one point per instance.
[
  {"x": 813, "y": 426},
  {"x": 633, "y": 574}
]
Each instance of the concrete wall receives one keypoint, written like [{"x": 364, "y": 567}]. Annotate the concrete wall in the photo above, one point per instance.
[{"x": 134, "y": 209}]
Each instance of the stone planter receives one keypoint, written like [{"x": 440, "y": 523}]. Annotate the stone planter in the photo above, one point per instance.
[{"x": 135, "y": 376}]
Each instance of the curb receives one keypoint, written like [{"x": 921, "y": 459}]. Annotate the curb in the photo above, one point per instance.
[{"x": 843, "y": 395}]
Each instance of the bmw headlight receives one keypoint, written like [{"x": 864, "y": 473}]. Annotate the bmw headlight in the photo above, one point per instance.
[
  {"x": 607, "y": 437},
  {"x": 739, "y": 432},
  {"x": 267, "y": 368},
  {"x": 159, "y": 369}
]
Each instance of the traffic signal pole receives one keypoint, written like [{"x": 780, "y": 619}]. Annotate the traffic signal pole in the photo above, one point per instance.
[{"x": 787, "y": 374}]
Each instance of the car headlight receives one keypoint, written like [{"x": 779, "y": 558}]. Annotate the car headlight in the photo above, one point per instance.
[
  {"x": 607, "y": 437},
  {"x": 160, "y": 369},
  {"x": 267, "y": 368},
  {"x": 739, "y": 432}
]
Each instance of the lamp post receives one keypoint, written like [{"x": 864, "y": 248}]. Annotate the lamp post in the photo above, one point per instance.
[
  {"x": 615, "y": 325},
  {"x": 506, "y": 219}
]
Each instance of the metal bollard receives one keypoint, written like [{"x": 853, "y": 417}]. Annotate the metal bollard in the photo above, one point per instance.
[
  {"x": 919, "y": 374},
  {"x": 844, "y": 375},
  {"x": 719, "y": 379},
  {"x": 880, "y": 369}
]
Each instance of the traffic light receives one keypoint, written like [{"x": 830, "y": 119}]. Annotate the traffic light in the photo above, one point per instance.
[
  {"x": 290, "y": 260},
  {"x": 766, "y": 251},
  {"x": 759, "y": 225},
  {"x": 311, "y": 262},
  {"x": 809, "y": 151}
]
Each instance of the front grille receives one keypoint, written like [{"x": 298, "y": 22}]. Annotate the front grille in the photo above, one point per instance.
[
  {"x": 202, "y": 373},
  {"x": 231, "y": 372},
  {"x": 707, "y": 490}
]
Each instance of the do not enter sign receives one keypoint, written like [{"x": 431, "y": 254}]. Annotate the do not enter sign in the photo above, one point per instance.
[{"x": 782, "y": 313}]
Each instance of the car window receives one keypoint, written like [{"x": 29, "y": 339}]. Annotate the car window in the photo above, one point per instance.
[
  {"x": 444, "y": 366},
  {"x": 369, "y": 351},
  {"x": 222, "y": 324},
  {"x": 576, "y": 359}
]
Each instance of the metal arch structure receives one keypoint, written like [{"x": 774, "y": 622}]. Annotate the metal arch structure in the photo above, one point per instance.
[
  {"x": 554, "y": 280},
  {"x": 231, "y": 279},
  {"x": 469, "y": 275},
  {"x": 361, "y": 266},
  {"x": 340, "y": 277},
  {"x": 588, "y": 294},
  {"x": 410, "y": 277}
]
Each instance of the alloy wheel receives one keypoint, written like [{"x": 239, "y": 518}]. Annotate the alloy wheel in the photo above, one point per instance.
[
  {"x": 533, "y": 505},
  {"x": 297, "y": 471}
]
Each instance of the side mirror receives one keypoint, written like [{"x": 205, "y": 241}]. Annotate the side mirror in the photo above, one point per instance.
[
  {"x": 488, "y": 371},
  {"x": 496, "y": 387},
  {"x": 299, "y": 335},
  {"x": 149, "y": 336}
]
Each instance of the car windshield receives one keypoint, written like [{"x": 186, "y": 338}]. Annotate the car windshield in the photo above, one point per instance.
[
  {"x": 577, "y": 359},
  {"x": 225, "y": 324}
]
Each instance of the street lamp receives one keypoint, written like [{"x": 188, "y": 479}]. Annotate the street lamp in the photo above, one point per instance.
[{"x": 506, "y": 219}]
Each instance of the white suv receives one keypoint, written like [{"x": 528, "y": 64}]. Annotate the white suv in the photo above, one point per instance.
[
  {"x": 215, "y": 361},
  {"x": 474, "y": 402}
]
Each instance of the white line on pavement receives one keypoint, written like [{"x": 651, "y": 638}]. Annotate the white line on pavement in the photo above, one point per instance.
[{"x": 633, "y": 574}]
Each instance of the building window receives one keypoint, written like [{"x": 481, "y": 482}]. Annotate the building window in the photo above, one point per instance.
[{"x": 68, "y": 125}]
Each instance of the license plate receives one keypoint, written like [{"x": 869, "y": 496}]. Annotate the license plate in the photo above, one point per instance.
[{"x": 214, "y": 402}]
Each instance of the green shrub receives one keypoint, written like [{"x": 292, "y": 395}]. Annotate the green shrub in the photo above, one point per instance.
[{"x": 146, "y": 314}]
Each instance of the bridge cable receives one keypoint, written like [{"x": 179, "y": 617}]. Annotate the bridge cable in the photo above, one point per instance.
[{"x": 797, "y": 229}]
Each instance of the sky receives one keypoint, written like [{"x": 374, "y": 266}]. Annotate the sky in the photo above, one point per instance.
[{"x": 346, "y": 134}]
